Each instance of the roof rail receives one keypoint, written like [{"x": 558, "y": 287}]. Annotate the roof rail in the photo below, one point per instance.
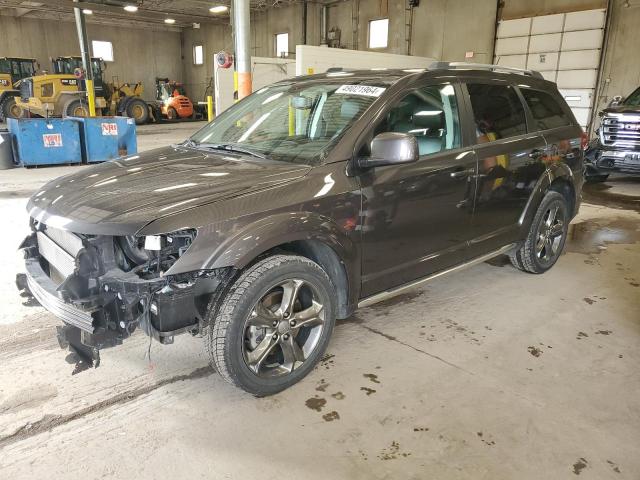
[{"x": 483, "y": 66}]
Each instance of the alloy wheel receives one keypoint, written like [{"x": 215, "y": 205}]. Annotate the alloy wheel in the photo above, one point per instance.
[
  {"x": 283, "y": 329},
  {"x": 550, "y": 233}
]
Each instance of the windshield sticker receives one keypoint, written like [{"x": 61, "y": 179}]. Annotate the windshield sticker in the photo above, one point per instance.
[{"x": 364, "y": 90}]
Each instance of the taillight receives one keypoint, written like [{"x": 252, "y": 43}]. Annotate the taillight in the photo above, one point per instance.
[{"x": 584, "y": 141}]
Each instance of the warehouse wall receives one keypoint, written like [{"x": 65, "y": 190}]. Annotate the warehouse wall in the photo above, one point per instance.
[
  {"x": 442, "y": 29},
  {"x": 264, "y": 26},
  {"x": 140, "y": 55}
]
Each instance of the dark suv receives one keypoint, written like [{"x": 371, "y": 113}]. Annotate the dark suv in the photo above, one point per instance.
[{"x": 310, "y": 198}]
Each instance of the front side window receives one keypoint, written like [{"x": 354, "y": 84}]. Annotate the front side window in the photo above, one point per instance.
[
  {"x": 296, "y": 122},
  {"x": 431, "y": 115},
  {"x": 547, "y": 112},
  {"x": 498, "y": 112}
]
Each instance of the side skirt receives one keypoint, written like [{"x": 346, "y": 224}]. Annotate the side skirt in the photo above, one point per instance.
[{"x": 379, "y": 297}]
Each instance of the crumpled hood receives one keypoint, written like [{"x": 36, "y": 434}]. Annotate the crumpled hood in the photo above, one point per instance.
[{"x": 130, "y": 192}]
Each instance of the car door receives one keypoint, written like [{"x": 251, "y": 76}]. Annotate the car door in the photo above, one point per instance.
[
  {"x": 510, "y": 162},
  {"x": 553, "y": 119},
  {"x": 416, "y": 216}
]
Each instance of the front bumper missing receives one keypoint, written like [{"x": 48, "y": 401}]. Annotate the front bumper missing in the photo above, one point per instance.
[{"x": 118, "y": 304}]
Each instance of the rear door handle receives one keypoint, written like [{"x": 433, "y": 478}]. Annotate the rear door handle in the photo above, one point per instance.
[{"x": 462, "y": 173}]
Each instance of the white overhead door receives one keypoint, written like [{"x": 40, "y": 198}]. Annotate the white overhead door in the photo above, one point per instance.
[{"x": 565, "y": 48}]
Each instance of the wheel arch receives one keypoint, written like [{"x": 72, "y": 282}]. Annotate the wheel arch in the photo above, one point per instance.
[
  {"x": 557, "y": 177},
  {"x": 331, "y": 263}
]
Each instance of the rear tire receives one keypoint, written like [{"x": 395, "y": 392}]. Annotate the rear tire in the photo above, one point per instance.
[
  {"x": 75, "y": 108},
  {"x": 138, "y": 110},
  {"x": 273, "y": 326},
  {"x": 547, "y": 236}
]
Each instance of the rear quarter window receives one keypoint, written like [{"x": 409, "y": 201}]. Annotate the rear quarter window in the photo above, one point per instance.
[{"x": 546, "y": 110}]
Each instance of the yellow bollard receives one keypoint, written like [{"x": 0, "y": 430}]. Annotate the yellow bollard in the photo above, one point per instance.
[
  {"x": 210, "y": 114},
  {"x": 91, "y": 93},
  {"x": 292, "y": 119}
]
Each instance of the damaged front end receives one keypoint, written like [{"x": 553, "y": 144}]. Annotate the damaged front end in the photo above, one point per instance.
[{"x": 105, "y": 287}]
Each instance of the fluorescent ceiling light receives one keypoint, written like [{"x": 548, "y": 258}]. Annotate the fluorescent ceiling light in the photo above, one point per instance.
[
  {"x": 170, "y": 21},
  {"x": 131, "y": 8},
  {"x": 219, "y": 9},
  {"x": 86, "y": 11}
]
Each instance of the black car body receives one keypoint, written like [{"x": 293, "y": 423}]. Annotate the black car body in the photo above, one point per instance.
[
  {"x": 155, "y": 241},
  {"x": 617, "y": 146}
]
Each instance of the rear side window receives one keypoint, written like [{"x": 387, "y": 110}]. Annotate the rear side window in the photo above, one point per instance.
[
  {"x": 545, "y": 109},
  {"x": 498, "y": 112}
]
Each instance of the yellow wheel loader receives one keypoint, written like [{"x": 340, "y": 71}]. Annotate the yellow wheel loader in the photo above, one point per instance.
[
  {"x": 12, "y": 70},
  {"x": 63, "y": 94},
  {"x": 121, "y": 99}
]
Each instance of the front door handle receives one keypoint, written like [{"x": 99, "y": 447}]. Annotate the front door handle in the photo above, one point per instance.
[{"x": 462, "y": 173}]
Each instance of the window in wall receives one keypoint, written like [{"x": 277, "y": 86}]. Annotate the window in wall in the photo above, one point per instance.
[
  {"x": 282, "y": 45},
  {"x": 431, "y": 115},
  {"x": 379, "y": 33},
  {"x": 498, "y": 112},
  {"x": 546, "y": 111},
  {"x": 198, "y": 55},
  {"x": 103, "y": 50}
]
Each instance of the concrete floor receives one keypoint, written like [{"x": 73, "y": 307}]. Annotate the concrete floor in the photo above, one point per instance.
[{"x": 487, "y": 374}]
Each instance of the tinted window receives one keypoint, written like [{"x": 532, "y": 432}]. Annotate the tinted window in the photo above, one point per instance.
[
  {"x": 430, "y": 114},
  {"x": 546, "y": 111},
  {"x": 498, "y": 112}
]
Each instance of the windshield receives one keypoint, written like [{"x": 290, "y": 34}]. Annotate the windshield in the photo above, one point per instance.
[
  {"x": 633, "y": 99},
  {"x": 296, "y": 123}
]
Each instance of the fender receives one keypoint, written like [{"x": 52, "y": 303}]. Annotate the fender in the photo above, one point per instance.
[
  {"x": 248, "y": 241},
  {"x": 269, "y": 232},
  {"x": 8, "y": 93},
  {"x": 553, "y": 172}
]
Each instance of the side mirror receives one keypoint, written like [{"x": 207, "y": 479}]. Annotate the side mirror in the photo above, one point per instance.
[
  {"x": 391, "y": 148},
  {"x": 615, "y": 101}
]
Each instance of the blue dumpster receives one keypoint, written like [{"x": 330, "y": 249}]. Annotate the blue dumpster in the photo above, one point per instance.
[
  {"x": 41, "y": 141},
  {"x": 106, "y": 138}
]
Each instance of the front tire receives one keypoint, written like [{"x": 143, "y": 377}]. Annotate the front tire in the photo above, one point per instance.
[
  {"x": 138, "y": 110},
  {"x": 274, "y": 324},
  {"x": 546, "y": 238},
  {"x": 10, "y": 109}
]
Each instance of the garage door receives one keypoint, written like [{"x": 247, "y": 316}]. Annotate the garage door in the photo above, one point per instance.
[{"x": 564, "y": 48}]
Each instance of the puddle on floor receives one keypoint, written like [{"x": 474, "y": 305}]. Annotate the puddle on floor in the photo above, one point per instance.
[{"x": 590, "y": 236}]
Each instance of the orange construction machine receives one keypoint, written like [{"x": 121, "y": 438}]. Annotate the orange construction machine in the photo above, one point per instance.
[{"x": 174, "y": 103}]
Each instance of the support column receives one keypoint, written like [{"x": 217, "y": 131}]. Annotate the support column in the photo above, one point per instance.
[
  {"x": 86, "y": 58},
  {"x": 242, "y": 41}
]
